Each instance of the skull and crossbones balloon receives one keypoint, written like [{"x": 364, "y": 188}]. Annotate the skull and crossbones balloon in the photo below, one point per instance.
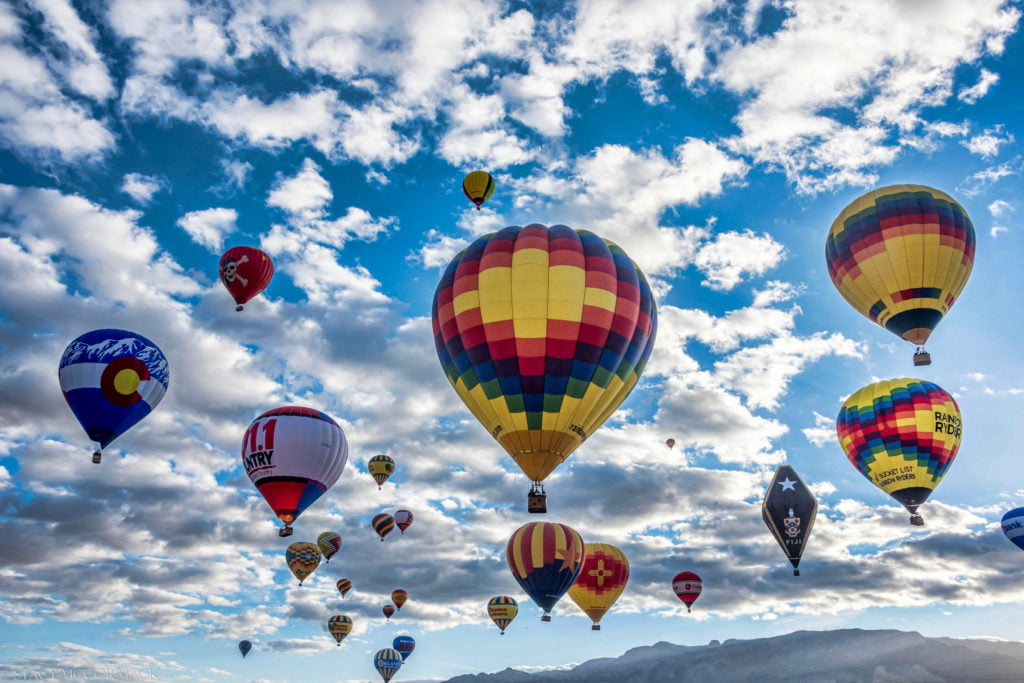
[{"x": 245, "y": 271}]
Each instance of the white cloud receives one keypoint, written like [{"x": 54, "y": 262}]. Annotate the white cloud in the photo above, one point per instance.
[
  {"x": 730, "y": 255},
  {"x": 305, "y": 196},
  {"x": 823, "y": 431},
  {"x": 997, "y": 230},
  {"x": 999, "y": 207},
  {"x": 82, "y": 68},
  {"x": 209, "y": 227},
  {"x": 140, "y": 187},
  {"x": 988, "y": 143},
  {"x": 986, "y": 79}
]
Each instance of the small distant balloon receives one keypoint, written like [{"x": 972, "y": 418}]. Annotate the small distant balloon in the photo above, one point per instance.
[
  {"x": 383, "y": 524},
  {"x": 670, "y": 442},
  {"x": 403, "y": 519},
  {"x": 380, "y": 467},
  {"x": 329, "y": 543},
  {"x": 387, "y": 662},
  {"x": 478, "y": 187},
  {"x": 244, "y": 646},
  {"x": 502, "y": 610},
  {"x": 245, "y": 271},
  {"x": 388, "y": 611},
  {"x": 112, "y": 379},
  {"x": 687, "y": 587},
  {"x": 399, "y": 597},
  {"x": 344, "y": 586},
  {"x": 1013, "y": 526},
  {"x": 405, "y": 645},
  {"x": 339, "y": 626},
  {"x": 303, "y": 558}
]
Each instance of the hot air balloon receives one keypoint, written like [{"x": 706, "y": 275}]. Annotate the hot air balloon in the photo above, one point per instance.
[
  {"x": 1013, "y": 526},
  {"x": 687, "y": 587},
  {"x": 340, "y": 626},
  {"x": 542, "y": 332},
  {"x": 901, "y": 255},
  {"x": 601, "y": 581},
  {"x": 399, "y": 597},
  {"x": 383, "y": 524},
  {"x": 111, "y": 379},
  {"x": 789, "y": 509},
  {"x": 387, "y": 662},
  {"x": 244, "y": 646},
  {"x": 502, "y": 610},
  {"x": 670, "y": 442},
  {"x": 403, "y": 518},
  {"x": 293, "y": 455},
  {"x": 388, "y": 611},
  {"x": 245, "y": 271},
  {"x": 303, "y": 558},
  {"x": 329, "y": 543},
  {"x": 903, "y": 435},
  {"x": 478, "y": 187},
  {"x": 545, "y": 559},
  {"x": 344, "y": 586},
  {"x": 381, "y": 467},
  {"x": 405, "y": 645}
]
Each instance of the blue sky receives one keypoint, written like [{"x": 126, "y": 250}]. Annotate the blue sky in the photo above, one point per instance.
[{"x": 715, "y": 142}]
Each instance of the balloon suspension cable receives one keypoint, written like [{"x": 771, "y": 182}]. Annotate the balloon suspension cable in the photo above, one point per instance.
[
  {"x": 922, "y": 357},
  {"x": 239, "y": 307},
  {"x": 97, "y": 456},
  {"x": 917, "y": 520},
  {"x": 285, "y": 531}
]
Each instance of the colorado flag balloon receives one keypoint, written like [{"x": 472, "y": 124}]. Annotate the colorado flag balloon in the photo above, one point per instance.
[
  {"x": 543, "y": 332},
  {"x": 111, "y": 379},
  {"x": 545, "y": 559},
  {"x": 602, "y": 579},
  {"x": 901, "y": 255},
  {"x": 902, "y": 434},
  {"x": 293, "y": 455}
]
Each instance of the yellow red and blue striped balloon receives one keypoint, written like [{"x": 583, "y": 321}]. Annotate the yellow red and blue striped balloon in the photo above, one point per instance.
[
  {"x": 502, "y": 609},
  {"x": 339, "y": 625},
  {"x": 545, "y": 559},
  {"x": 602, "y": 579},
  {"x": 902, "y": 434},
  {"x": 543, "y": 332},
  {"x": 383, "y": 524},
  {"x": 901, "y": 255}
]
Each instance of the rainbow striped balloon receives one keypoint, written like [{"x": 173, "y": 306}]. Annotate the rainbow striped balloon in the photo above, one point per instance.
[
  {"x": 545, "y": 559},
  {"x": 901, "y": 255},
  {"x": 902, "y": 434},
  {"x": 543, "y": 332}
]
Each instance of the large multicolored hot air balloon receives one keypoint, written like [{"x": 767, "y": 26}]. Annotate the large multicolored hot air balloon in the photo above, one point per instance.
[
  {"x": 405, "y": 645},
  {"x": 902, "y": 434},
  {"x": 344, "y": 586},
  {"x": 339, "y": 626},
  {"x": 383, "y": 524},
  {"x": 399, "y": 597},
  {"x": 403, "y": 520},
  {"x": 901, "y": 255},
  {"x": 478, "y": 187},
  {"x": 789, "y": 509},
  {"x": 244, "y": 646},
  {"x": 502, "y": 610},
  {"x": 1013, "y": 526},
  {"x": 543, "y": 332},
  {"x": 111, "y": 379},
  {"x": 380, "y": 467},
  {"x": 387, "y": 662},
  {"x": 601, "y": 581},
  {"x": 329, "y": 543},
  {"x": 293, "y": 455},
  {"x": 545, "y": 559},
  {"x": 245, "y": 271},
  {"x": 303, "y": 558},
  {"x": 687, "y": 587}
]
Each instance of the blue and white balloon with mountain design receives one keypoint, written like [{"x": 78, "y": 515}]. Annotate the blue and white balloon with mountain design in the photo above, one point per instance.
[{"x": 112, "y": 379}]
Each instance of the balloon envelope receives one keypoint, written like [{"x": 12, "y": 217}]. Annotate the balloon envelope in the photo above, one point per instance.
[
  {"x": 244, "y": 647},
  {"x": 245, "y": 272},
  {"x": 339, "y": 625},
  {"x": 111, "y": 379},
  {"x": 403, "y": 518},
  {"x": 405, "y": 645},
  {"x": 388, "y": 611},
  {"x": 670, "y": 442},
  {"x": 387, "y": 662},
  {"x": 901, "y": 255},
  {"x": 1013, "y": 526},
  {"x": 543, "y": 332},
  {"x": 303, "y": 558},
  {"x": 293, "y": 455},
  {"x": 381, "y": 467},
  {"x": 502, "y": 610},
  {"x": 329, "y": 543},
  {"x": 399, "y": 597},
  {"x": 478, "y": 186},
  {"x": 789, "y": 509},
  {"x": 902, "y": 434},
  {"x": 602, "y": 579},
  {"x": 545, "y": 558},
  {"x": 687, "y": 587},
  {"x": 383, "y": 524},
  {"x": 344, "y": 586}
]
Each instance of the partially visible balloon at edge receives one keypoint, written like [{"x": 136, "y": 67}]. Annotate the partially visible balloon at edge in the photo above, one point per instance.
[{"x": 1013, "y": 526}]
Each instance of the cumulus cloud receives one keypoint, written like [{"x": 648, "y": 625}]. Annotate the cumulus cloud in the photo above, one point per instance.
[
  {"x": 987, "y": 144},
  {"x": 725, "y": 260},
  {"x": 141, "y": 187},
  {"x": 209, "y": 227},
  {"x": 971, "y": 94}
]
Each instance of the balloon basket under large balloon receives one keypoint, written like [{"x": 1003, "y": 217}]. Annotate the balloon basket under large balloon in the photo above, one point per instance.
[
  {"x": 96, "y": 457},
  {"x": 922, "y": 357},
  {"x": 536, "y": 499},
  {"x": 917, "y": 520},
  {"x": 239, "y": 307},
  {"x": 595, "y": 627},
  {"x": 796, "y": 572},
  {"x": 545, "y": 617},
  {"x": 285, "y": 532}
]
